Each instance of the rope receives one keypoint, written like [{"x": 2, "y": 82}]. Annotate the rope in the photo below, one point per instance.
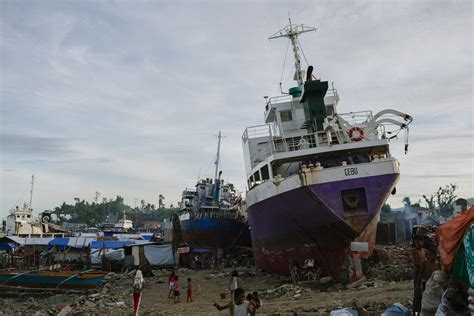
[{"x": 301, "y": 47}]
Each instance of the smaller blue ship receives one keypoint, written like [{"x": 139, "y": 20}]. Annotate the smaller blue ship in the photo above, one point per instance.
[{"x": 211, "y": 215}]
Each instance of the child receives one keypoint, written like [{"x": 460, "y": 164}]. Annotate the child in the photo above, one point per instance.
[
  {"x": 189, "y": 291},
  {"x": 427, "y": 268},
  {"x": 171, "y": 284},
  {"x": 176, "y": 290},
  {"x": 258, "y": 301},
  {"x": 234, "y": 282},
  {"x": 238, "y": 306}
]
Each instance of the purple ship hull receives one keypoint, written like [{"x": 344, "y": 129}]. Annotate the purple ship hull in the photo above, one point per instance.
[{"x": 314, "y": 221}]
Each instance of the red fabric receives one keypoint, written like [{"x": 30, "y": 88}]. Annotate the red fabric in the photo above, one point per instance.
[
  {"x": 136, "y": 302},
  {"x": 450, "y": 234},
  {"x": 189, "y": 294}
]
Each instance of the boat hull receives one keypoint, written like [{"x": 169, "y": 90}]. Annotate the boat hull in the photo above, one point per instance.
[
  {"x": 51, "y": 279},
  {"x": 213, "y": 233},
  {"x": 311, "y": 221}
]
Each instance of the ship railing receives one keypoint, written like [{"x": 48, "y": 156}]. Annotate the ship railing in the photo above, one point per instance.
[
  {"x": 213, "y": 214},
  {"x": 257, "y": 132},
  {"x": 357, "y": 118},
  {"x": 273, "y": 101}
]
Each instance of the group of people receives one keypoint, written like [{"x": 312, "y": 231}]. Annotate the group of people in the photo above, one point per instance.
[
  {"x": 175, "y": 289},
  {"x": 242, "y": 305},
  {"x": 424, "y": 264},
  {"x": 239, "y": 304}
]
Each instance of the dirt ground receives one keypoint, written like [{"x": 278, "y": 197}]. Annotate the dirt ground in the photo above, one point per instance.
[{"x": 373, "y": 295}]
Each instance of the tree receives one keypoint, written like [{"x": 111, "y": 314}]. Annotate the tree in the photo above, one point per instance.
[
  {"x": 442, "y": 200},
  {"x": 161, "y": 200},
  {"x": 430, "y": 203},
  {"x": 445, "y": 198},
  {"x": 386, "y": 208}
]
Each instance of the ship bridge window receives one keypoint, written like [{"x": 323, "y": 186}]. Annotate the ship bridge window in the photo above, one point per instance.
[
  {"x": 286, "y": 116},
  {"x": 256, "y": 176},
  {"x": 265, "y": 173},
  {"x": 202, "y": 187}
]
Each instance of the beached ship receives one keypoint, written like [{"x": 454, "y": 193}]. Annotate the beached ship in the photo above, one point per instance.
[
  {"x": 210, "y": 215},
  {"x": 21, "y": 222},
  {"x": 317, "y": 179}
]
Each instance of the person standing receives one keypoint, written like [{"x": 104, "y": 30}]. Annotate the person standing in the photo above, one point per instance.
[
  {"x": 189, "y": 291},
  {"x": 171, "y": 280},
  {"x": 238, "y": 306},
  {"x": 138, "y": 284},
  {"x": 427, "y": 268},
  {"x": 418, "y": 256},
  {"x": 234, "y": 282},
  {"x": 176, "y": 290}
]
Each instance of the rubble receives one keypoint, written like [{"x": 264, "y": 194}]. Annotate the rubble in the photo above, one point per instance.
[
  {"x": 390, "y": 263},
  {"x": 285, "y": 290}
]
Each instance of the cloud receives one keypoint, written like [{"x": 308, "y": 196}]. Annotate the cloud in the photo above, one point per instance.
[
  {"x": 20, "y": 144},
  {"x": 125, "y": 97}
]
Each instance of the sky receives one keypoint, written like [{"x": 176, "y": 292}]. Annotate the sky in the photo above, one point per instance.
[{"x": 127, "y": 97}]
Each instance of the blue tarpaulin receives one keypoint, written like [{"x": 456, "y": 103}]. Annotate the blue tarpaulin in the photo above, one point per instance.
[
  {"x": 61, "y": 243},
  {"x": 75, "y": 242},
  {"x": 7, "y": 246}
]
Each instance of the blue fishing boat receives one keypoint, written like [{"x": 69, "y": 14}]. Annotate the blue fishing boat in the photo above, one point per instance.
[{"x": 52, "y": 279}]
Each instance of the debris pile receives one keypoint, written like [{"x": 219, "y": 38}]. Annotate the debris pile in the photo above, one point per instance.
[
  {"x": 286, "y": 290},
  {"x": 390, "y": 263}
]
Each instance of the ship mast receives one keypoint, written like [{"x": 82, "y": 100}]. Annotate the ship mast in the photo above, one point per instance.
[
  {"x": 217, "y": 157},
  {"x": 292, "y": 31},
  {"x": 31, "y": 193}
]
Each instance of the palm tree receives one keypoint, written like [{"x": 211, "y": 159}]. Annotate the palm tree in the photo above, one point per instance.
[{"x": 161, "y": 203}]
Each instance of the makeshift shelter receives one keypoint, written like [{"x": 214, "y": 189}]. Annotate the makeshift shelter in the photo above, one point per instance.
[
  {"x": 22, "y": 252},
  {"x": 148, "y": 255},
  {"x": 395, "y": 227},
  {"x": 69, "y": 250},
  {"x": 110, "y": 254}
]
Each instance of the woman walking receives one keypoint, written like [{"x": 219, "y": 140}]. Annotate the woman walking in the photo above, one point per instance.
[{"x": 138, "y": 283}]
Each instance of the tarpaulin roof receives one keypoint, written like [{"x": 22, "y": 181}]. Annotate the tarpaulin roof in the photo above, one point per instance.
[
  {"x": 110, "y": 244},
  {"x": 75, "y": 242},
  {"x": 7, "y": 246},
  {"x": 450, "y": 234},
  {"x": 140, "y": 243},
  {"x": 27, "y": 241}
]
